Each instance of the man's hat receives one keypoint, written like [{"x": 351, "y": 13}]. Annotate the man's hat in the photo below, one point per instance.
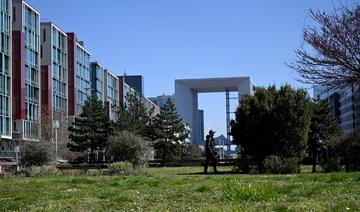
[{"x": 212, "y": 132}]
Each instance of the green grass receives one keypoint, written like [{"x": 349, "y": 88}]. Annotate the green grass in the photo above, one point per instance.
[{"x": 181, "y": 189}]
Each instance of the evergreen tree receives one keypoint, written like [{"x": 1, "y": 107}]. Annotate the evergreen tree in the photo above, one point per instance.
[
  {"x": 272, "y": 122},
  {"x": 133, "y": 116},
  {"x": 323, "y": 122},
  {"x": 169, "y": 130},
  {"x": 90, "y": 131}
]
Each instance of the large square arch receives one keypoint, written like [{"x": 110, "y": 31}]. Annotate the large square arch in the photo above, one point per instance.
[{"x": 186, "y": 97}]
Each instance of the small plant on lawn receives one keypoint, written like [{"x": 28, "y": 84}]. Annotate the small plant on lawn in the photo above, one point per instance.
[{"x": 36, "y": 153}]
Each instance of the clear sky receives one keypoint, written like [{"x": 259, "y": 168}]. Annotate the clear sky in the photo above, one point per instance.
[{"x": 164, "y": 40}]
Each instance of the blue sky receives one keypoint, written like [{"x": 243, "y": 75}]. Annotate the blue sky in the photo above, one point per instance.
[{"x": 165, "y": 40}]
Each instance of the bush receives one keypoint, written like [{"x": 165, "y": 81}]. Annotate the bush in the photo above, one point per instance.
[
  {"x": 126, "y": 146},
  {"x": 349, "y": 152},
  {"x": 123, "y": 168},
  {"x": 277, "y": 165},
  {"x": 40, "y": 171},
  {"x": 36, "y": 154},
  {"x": 332, "y": 162}
]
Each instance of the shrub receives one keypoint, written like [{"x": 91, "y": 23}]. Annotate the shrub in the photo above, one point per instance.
[
  {"x": 39, "y": 171},
  {"x": 277, "y": 165},
  {"x": 126, "y": 146},
  {"x": 123, "y": 168},
  {"x": 332, "y": 163},
  {"x": 36, "y": 154},
  {"x": 349, "y": 148}
]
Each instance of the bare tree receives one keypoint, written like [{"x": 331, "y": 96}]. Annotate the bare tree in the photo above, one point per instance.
[{"x": 330, "y": 54}]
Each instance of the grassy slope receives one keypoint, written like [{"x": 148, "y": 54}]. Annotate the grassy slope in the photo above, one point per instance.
[{"x": 175, "y": 189}]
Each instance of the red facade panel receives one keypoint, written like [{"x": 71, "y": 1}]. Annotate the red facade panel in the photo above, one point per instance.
[
  {"x": 72, "y": 55},
  {"x": 18, "y": 75},
  {"x": 46, "y": 89}
]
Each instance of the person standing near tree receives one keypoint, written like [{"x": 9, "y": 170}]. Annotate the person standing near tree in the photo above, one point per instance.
[{"x": 210, "y": 151}]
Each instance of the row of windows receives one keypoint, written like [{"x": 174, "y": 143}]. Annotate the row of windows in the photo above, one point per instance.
[
  {"x": 32, "y": 39},
  {"x": 4, "y": 106},
  {"x": 81, "y": 97},
  {"x": 59, "y": 56},
  {"x": 5, "y": 40},
  {"x": 5, "y": 126},
  {"x": 4, "y": 64},
  {"x": 32, "y": 94},
  {"x": 4, "y": 85},
  {"x": 82, "y": 84},
  {"x": 59, "y": 39},
  {"x": 31, "y": 130},
  {"x": 32, "y": 57},
  {"x": 83, "y": 58},
  {"x": 59, "y": 88},
  {"x": 59, "y": 73},
  {"x": 4, "y": 5},
  {"x": 31, "y": 19},
  {"x": 59, "y": 103},
  {"x": 83, "y": 72},
  {"x": 32, "y": 75},
  {"x": 5, "y": 22},
  {"x": 31, "y": 111}
]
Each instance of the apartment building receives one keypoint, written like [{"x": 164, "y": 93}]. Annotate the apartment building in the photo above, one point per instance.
[
  {"x": 78, "y": 74},
  {"x": 5, "y": 70},
  {"x": 26, "y": 71},
  {"x": 97, "y": 80},
  {"x": 111, "y": 94}
]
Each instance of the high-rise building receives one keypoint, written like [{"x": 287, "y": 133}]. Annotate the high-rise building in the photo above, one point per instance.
[
  {"x": 111, "y": 94},
  {"x": 97, "y": 80},
  {"x": 5, "y": 70},
  {"x": 26, "y": 70},
  {"x": 54, "y": 79},
  {"x": 161, "y": 100},
  {"x": 136, "y": 82},
  {"x": 54, "y": 68},
  {"x": 346, "y": 106},
  {"x": 78, "y": 75}
]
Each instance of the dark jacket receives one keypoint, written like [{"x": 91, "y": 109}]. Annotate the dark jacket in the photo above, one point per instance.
[{"x": 209, "y": 145}]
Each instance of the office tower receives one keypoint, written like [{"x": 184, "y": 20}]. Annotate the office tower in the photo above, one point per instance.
[
  {"x": 5, "y": 70},
  {"x": 26, "y": 71},
  {"x": 136, "y": 82},
  {"x": 78, "y": 75}
]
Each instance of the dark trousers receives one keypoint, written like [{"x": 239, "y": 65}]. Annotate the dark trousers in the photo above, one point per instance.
[{"x": 212, "y": 158}]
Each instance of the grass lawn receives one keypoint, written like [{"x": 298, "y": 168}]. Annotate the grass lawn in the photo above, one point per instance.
[{"x": 181, "y": 189}]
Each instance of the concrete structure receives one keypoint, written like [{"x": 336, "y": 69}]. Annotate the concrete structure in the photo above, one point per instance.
[
  {"x": 186, "y": 96},
  {"x": 6, "y": 70},
  {"x": 26, "y": 71}
]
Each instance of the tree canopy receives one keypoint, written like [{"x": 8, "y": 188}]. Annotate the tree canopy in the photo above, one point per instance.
[
  {"x": 272, "y": 122},
  {"x": 90, "y": 131},
  {"x": 330, "y": 54}
]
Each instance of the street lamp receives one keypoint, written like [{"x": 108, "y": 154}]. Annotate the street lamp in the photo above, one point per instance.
[{"x": 56, "y": 126}]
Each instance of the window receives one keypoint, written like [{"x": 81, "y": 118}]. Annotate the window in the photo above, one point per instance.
[{"x": 44, "y": 35}]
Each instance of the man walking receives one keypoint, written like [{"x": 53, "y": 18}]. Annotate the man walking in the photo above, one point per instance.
[{"x": 210, "y": 151}]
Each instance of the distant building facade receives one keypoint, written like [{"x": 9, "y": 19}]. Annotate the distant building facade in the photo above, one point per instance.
[
  {"x": 136, "y": 82},
  {"x": 161, "y": 100}
]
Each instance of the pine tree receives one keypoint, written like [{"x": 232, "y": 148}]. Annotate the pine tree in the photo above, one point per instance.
[
  {"x": 170, "y": 130},
  {"x": 90, "y": 131},
  {"x": 323, "y": 122},
  {"x": 133, "y": 116}
]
